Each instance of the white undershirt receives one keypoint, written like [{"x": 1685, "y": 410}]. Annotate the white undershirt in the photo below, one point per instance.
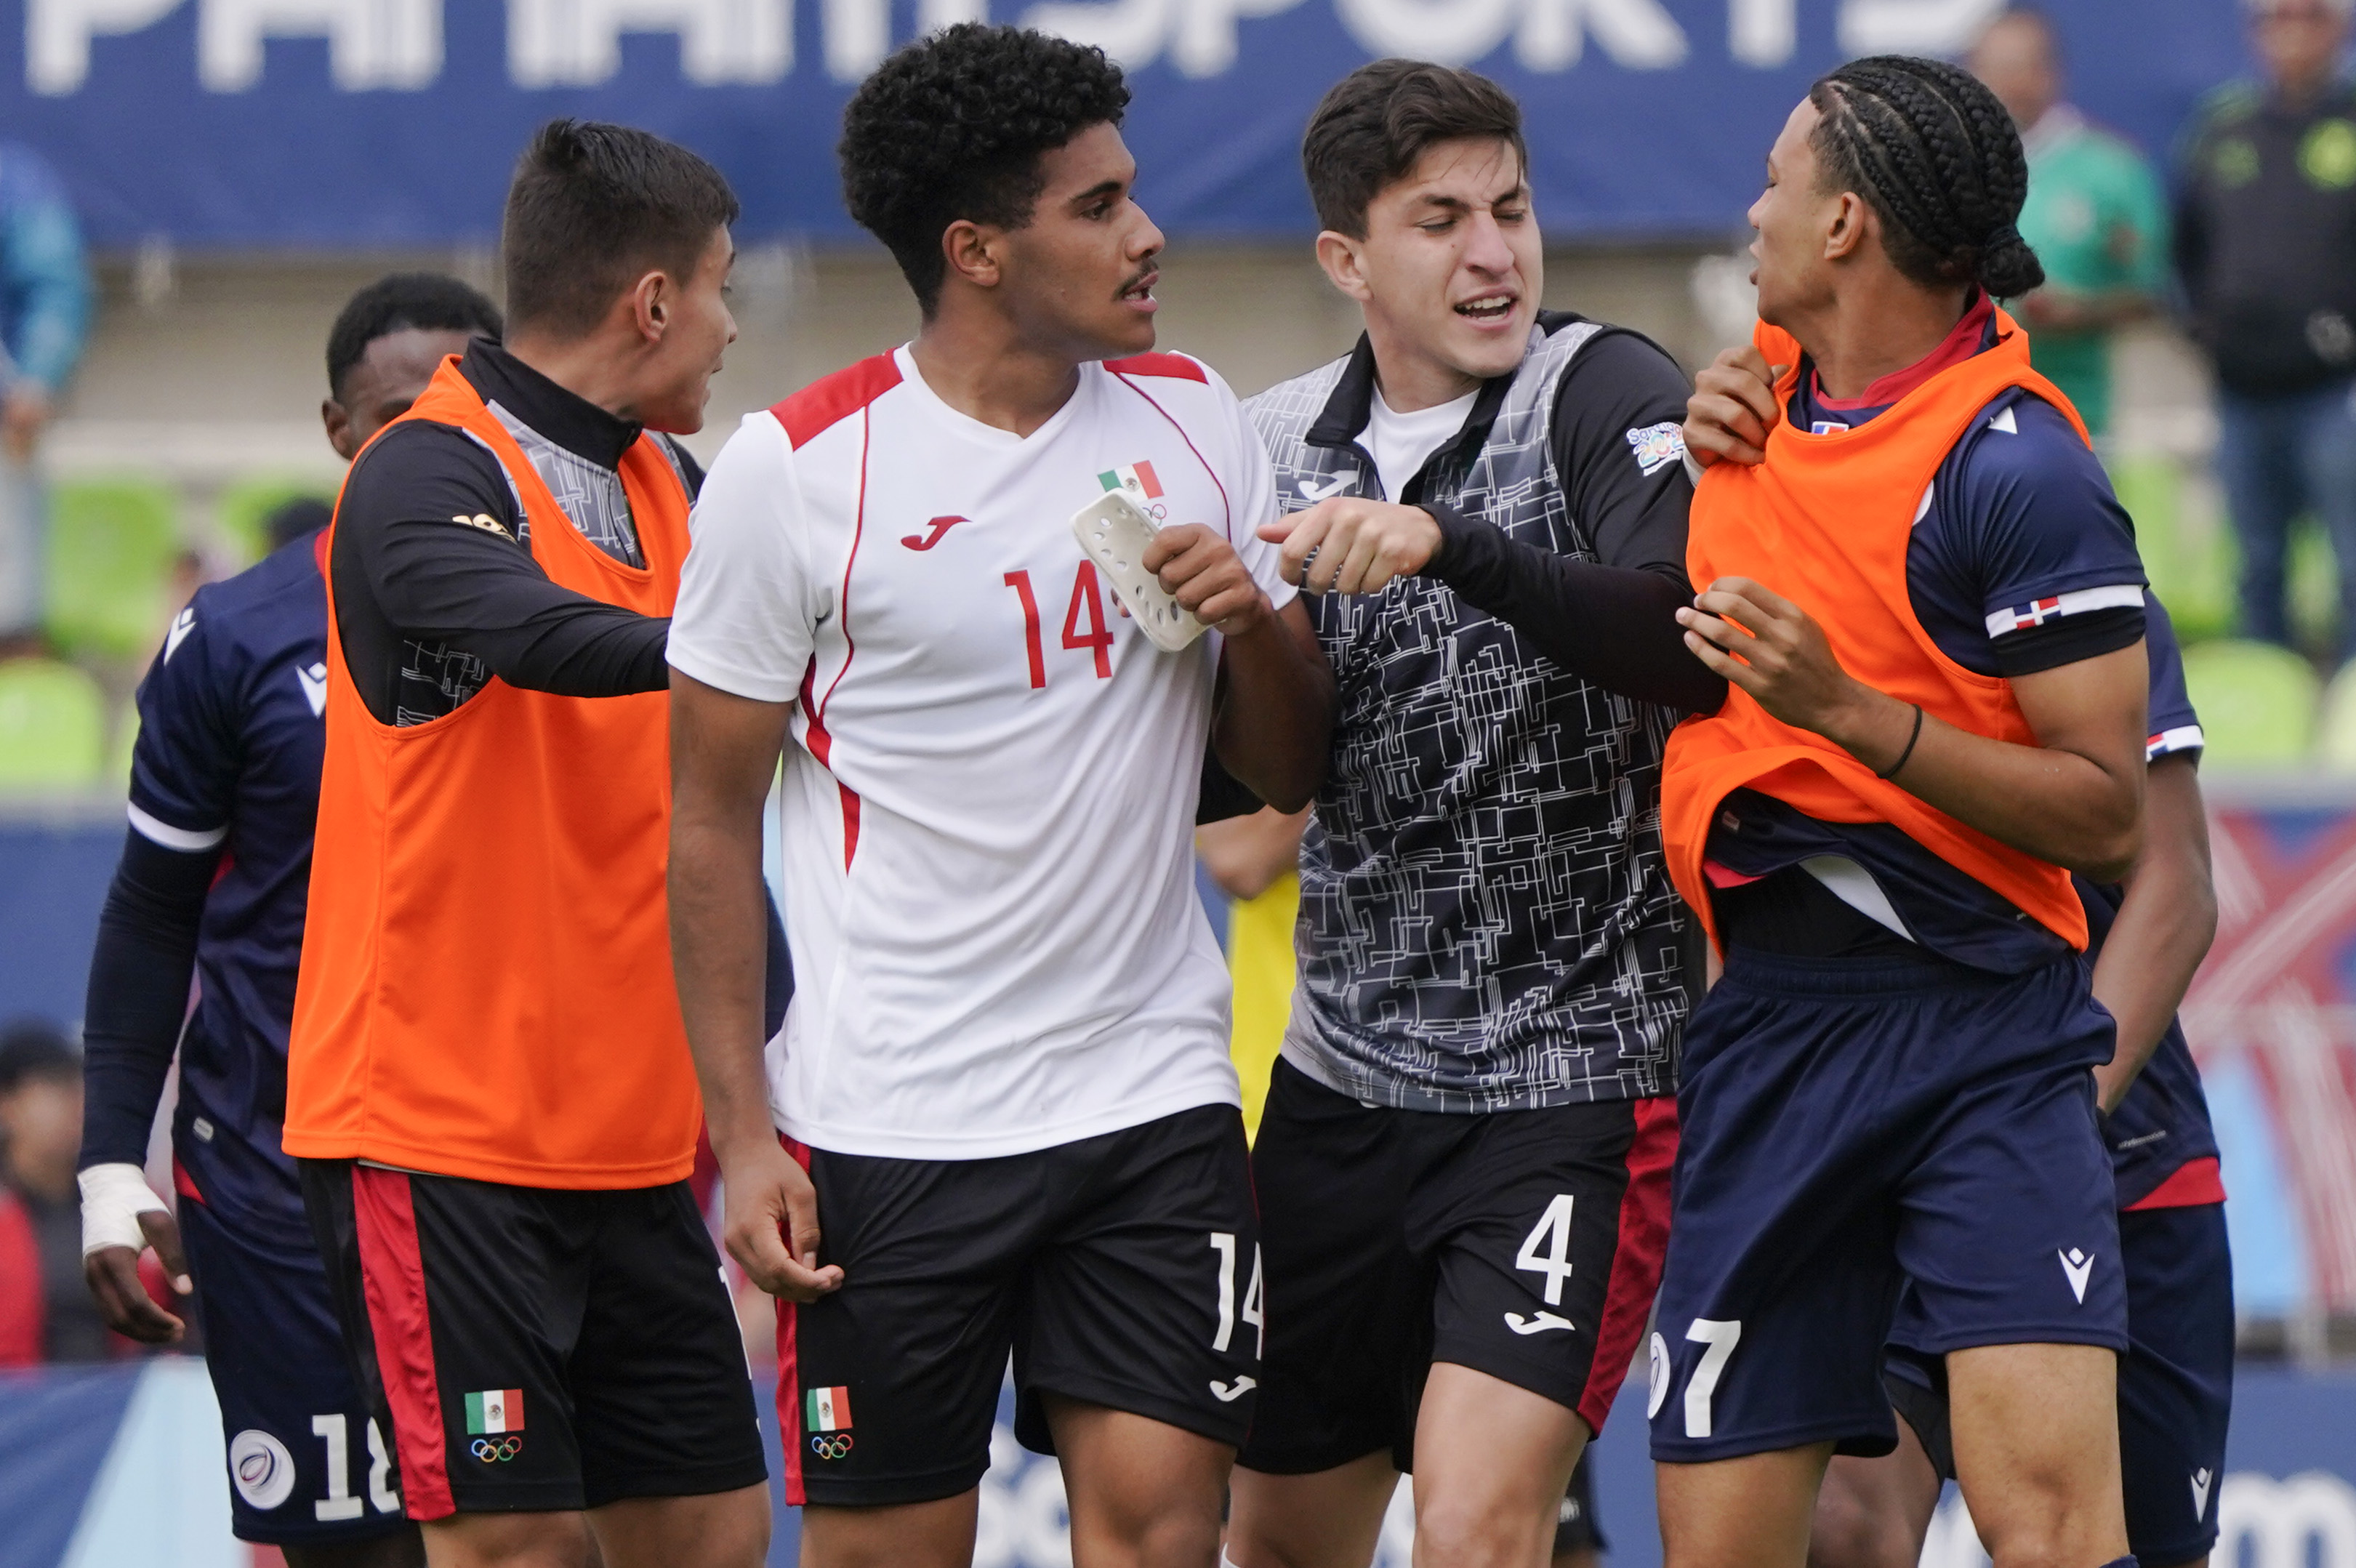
[{"x": 1403, "y": 443}]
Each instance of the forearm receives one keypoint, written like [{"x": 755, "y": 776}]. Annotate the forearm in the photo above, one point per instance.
[
  {"x": 482, "y": 594},
  {"x": 577, "y": 652},
  {"x": 1275, "y": 719},
  {"x": 723, "y": 752},
  {"x": 1610, "y": 625},
  {"x": 2141, "y": 978},
  {"x": 718, "y": 955},
  {"x": 2164, "y": 926},
  {"x": 2054, "y": 804},
  {"x": 138, "y": 995}
]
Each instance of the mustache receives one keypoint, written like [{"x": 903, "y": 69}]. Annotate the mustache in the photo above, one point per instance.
[{"x": 1149, "y": 271}]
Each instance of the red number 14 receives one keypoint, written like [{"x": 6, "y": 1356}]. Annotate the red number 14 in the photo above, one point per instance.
[{"x": 1087, "y": 607}]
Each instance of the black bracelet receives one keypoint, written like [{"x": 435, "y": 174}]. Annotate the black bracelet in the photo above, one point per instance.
[{"x": 1892, "y": 770}]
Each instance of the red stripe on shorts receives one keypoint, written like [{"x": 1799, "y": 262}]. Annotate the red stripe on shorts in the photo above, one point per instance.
[
  {"x": 789, "y": 1382},
  {"x": 392, "y": 1280},
  {"x": 2194, "y": 1185},
  {"x": 1643, "y": 1242}
]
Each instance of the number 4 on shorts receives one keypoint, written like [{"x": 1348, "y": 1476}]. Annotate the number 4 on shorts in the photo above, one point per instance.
[{"x": 1553, "y": 1232}]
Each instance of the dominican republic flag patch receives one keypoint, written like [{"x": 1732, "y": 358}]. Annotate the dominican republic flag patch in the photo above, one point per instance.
[
  {"x": 826, "y": 1410},
  {"x": 1138, "y": 479},
  {"x": 2037, "y": 612},
  {"x": 495, "y": 1410}
]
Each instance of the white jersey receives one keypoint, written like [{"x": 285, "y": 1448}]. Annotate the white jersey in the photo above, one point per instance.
[{"x": 990, "y": 802}]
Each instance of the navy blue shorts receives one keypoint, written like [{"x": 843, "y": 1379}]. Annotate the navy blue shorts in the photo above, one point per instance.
[
  {"x": 306, "y": 1467},
  {"x": 1848, "y": 1124},
  {"x": 2175, "y": 1382}
]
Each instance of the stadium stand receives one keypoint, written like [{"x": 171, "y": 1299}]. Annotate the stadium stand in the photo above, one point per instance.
[
  {"x": 113, "y": 544},
  {"x": 52, "y": 728},
  {"x": 244, "y": 509},
  {"x": 2257, "y": 703},
  {"x": 2335, "y": 737},
  {"x": 2190, "y": 567}
]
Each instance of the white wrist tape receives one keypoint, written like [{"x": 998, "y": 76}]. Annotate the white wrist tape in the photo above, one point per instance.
[{"x": 113, "y": 1200}]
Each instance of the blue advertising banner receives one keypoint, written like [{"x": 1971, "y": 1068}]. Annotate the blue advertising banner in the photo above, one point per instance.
[{"x": 352, "y": 123}]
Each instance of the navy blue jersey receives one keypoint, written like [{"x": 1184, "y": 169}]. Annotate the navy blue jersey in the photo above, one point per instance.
[
  {"x": 231, "y": 744},
  {"x": 2021, "y": 560},
  {"x": 2162, "y": 1124}
]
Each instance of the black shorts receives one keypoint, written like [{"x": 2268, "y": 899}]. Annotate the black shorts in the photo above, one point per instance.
[
  {"x": 1123, "y": 1271},
  {"x": 1526, "y": 1244},
  {"x": 532, "y": 1348}
]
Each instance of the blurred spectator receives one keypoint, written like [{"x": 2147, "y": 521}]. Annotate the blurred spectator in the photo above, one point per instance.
[
  {"x": 2265, "y": 241},
  {"x": 45, "y": 1312},
  {"x": 290, "y": 520},
  {"x": 2095, "y": 216},
  {"x": 45, "y": 296}
]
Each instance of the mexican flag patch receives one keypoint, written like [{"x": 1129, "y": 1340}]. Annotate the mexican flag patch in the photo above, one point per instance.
[
  {"x": 826, "y": 1410},
  {"x": 495, "y": 1410},
  {"x": 1136, "y": 478}
]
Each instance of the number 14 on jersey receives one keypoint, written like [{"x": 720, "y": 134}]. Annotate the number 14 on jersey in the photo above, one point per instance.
[{"x": 1085, "y": 628}]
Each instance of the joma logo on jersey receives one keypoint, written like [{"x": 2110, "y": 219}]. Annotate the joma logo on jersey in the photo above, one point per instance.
[{"x": 932, "y": 536}]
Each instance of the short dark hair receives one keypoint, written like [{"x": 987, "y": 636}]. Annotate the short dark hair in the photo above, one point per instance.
[
  {"x": 397, "y": 303},
  {"x": 953, "y": 127},
  {"x": 290, "y": 520},
  {"x": 1930, "y": 149},
  {"x": 1369, "y": 131},
  {"x": 35, "y": 1048},
  {"x": 593, "y": 207}
]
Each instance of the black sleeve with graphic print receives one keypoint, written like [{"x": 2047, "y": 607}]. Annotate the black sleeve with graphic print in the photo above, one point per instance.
[{"x": 1619, "y": 454}]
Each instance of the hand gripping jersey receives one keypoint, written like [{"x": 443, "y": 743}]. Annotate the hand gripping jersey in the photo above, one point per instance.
[
  {"x": 485, "y": 985},
  {"x": 1825, "y": 521},
  {"x": 988, "y": 804}
]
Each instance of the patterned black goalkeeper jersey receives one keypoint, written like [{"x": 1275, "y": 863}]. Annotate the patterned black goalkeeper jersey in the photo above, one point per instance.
[{"x": 1486, "y": 917}]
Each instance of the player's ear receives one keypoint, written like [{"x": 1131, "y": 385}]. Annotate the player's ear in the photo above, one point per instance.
[
  {"x": 1343, "y": 260},
  {"x": 650, "y": 302},
  {"x": 338, "y": 421},
  {"x": 971, "y": 252},
  {"x": 1853, "y": 224}
]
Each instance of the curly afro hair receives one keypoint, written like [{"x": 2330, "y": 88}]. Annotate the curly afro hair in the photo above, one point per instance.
[{"x": 953, "y": 127}]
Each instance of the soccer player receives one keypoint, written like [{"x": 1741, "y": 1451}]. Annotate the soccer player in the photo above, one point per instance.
[
  {"x": 224, "y": 789},
  {"x": 1001, "y": 1112},
  {"x": 1463, "y": 1167},
  {"x": 2175, "y": 1382},
  {"x": 489, "y": 1088},
  {"x": 1929, "y": 605},
  {"x": 2147, "y": 938}
]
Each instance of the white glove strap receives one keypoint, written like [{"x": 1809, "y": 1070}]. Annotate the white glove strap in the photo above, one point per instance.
[{"x": 113, "y": 1200}]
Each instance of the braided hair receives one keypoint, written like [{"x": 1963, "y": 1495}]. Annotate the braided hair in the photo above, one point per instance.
[{"x": 1933, "y": 152}]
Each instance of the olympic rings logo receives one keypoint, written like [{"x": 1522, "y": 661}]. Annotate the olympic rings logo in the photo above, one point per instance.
[
  {"x": 494, "y": 1450},
  {"x": 831, "y": 1444}
]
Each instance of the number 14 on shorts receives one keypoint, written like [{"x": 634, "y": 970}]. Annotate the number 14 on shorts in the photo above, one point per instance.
[{"x": 1224, "y": 1243}]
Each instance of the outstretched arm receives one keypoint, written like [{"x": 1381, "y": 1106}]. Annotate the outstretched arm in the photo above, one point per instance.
[
  {"x": 724, "y": 751},
  {"x": 2163, "y": 928},
  {"x": 2074, "y": 798}
]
